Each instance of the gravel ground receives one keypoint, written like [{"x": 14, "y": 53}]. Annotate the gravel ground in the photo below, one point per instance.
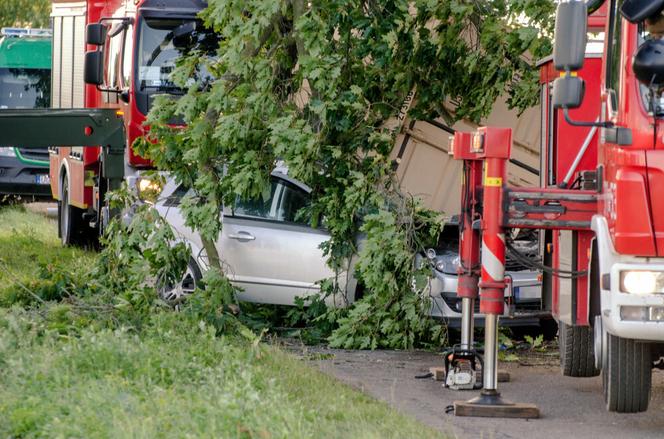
[{"x": 570, "y": 407}]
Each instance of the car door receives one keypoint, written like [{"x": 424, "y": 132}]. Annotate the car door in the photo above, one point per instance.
[{"x": 270, "y": 250}]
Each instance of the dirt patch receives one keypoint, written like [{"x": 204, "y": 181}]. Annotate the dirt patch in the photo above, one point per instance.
[{"x": 570, "y": 407}]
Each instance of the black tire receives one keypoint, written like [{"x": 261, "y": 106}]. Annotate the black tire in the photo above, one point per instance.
[
  {"x": 627, "y": 376},
  {"x": 549, "y": 328},
  {"x": 175, "y": 295},
  {"x": 70, "y": 220},
  {"x": 577, "y": 358}
]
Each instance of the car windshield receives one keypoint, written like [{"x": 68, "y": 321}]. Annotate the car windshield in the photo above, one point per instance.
[
  {"x": 25, "y": 88},
  {"x": 161, "y": 42}
]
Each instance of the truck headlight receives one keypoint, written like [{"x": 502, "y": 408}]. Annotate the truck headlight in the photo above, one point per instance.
[
  {"x": 642, "y": 282},
  {"x": 7, "y": 151}
]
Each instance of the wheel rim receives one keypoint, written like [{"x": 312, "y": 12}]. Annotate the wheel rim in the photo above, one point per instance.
[
  {"x": 606, "y": 377},
  {"x": 176, "y": 293},
  {"x": 599, "y": 344}
]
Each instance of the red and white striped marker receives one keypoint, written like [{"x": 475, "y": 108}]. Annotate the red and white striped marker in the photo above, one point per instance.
[{"x": 492, "y": 285}]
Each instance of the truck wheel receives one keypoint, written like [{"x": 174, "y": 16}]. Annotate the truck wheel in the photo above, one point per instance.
[
  {"x": 549, "y": 328},
  {"x": 576, "y": 350},
  {"x": 626, "y": 377},
  {"x": 70, "y": 219}
]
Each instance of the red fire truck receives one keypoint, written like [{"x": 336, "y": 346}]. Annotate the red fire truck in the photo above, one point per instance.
[
  {"x": 132, "y": 47},
  {"x": 603, "y": 228}
]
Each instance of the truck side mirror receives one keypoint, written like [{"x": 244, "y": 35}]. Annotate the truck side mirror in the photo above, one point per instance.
[
  {"x": 636, "y": 11},
  {"x": 93, "y": 72},
  {"x": 95, "y": 34},
  {"x": 594, "y": 5},
  {"x": 648, "y": 64},
  {"x": 568, "y": 92},
  {"x": 571, "y": 34},
  {"x": 182, "y": 35}
]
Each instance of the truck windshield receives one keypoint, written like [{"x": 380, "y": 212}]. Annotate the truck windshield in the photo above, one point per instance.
[
  {"x": 161, "y": 42},
  {"x": 25, "y": 88}
]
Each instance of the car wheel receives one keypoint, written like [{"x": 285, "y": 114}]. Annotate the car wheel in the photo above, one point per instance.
[
  {"x": 626, "y": 378},
  {"x": 577, "y": 357},
  {"x": 176, "y": 293}
]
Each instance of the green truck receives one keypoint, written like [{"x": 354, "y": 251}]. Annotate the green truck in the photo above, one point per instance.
[{"x": 25, "y": 82}]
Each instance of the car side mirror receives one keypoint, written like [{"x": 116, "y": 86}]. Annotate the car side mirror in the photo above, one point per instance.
[
  {"x": 568, "y": 92},
  {"x": 95, "y": 34},
  {"x": 571, "y": 35},
  {"x": 93, "y": 72}
]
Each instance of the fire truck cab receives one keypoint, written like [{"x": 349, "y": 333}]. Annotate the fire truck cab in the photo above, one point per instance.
[
  {"x": 612, "y": 311},
  {"x": 112, "y": 54}
]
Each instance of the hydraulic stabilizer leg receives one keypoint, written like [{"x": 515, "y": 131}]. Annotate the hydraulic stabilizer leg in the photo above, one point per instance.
[
  {"x": 493, "y": 145},
  {"x": 461, "y": 361},
  {"x": 469, "y": 239},
  {"x": 490, "y": 372},
  {"x": 467, "y": 326}
]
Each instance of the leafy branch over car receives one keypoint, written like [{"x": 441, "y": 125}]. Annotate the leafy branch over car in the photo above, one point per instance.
[{"x": 315, "y": 85}]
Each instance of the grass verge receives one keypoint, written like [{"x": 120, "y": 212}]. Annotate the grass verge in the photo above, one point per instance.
[
  {"x": 176, "y": 377},
  {"x": 29, "y": 250}
]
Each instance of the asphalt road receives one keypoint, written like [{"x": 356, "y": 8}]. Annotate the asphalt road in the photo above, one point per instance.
[{"x": 570, "y": 407}]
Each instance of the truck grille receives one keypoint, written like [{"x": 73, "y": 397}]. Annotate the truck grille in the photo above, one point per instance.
[{"x": 34, "y": 154}]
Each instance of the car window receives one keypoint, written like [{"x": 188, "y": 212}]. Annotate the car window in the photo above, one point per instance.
[
  {"x": 175, "y": 198},
  {"x": 283, "y": 204},
  {"x": 261, "y": 208},
  {"x": 293, "y": 199}
]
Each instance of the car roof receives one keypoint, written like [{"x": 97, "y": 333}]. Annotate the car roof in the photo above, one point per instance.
[{"x": 281, "y": 172}]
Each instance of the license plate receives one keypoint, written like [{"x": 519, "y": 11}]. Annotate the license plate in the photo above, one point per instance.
[{"x": 43, "y": 179}]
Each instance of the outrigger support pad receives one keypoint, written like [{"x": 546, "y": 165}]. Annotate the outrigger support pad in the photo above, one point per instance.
[{"x": 490, "y": 405}]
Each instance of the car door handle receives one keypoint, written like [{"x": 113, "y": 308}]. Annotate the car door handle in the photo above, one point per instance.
[{"x": 243, "y": 236}]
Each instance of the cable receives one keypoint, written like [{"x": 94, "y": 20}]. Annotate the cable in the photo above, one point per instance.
[
  {"x": 533, "y": 264},
  {"x": 563, "y": 274}
]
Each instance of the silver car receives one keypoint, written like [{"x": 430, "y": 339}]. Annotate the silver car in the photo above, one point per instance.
[
  {"x": 273, "y": 255},
  {"x": 523, "y": 295}
]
